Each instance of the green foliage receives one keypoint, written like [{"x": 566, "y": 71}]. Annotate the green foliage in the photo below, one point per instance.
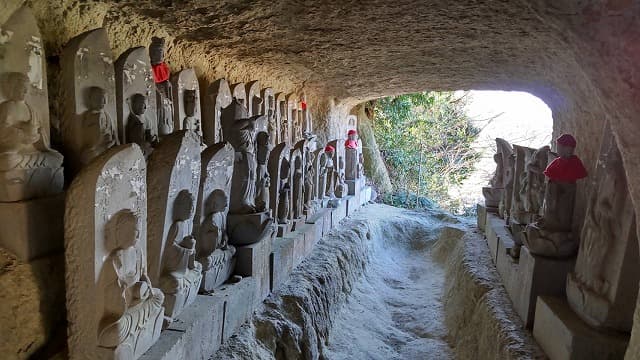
[{"x": 425, "y": 140}]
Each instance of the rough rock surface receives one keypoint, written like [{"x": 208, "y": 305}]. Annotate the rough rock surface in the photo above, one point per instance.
[{"x": 371, "y": 289}]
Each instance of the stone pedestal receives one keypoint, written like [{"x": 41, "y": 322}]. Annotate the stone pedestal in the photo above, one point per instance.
[
  {"x": 322, "y": 219},
  {"x": 283, "y": 229},
  {"x": 296, "y": 223},
  {"x": 538, "y": 276},
  {"x": 339, "y": 212},
  {"x": 495, "y": 229},
  {"x": 32, "y": 228},
  {"x": 223, "y": 262},
  {"x": 365, "y": 194},
  {"x": 563, "y": 336},
  {"x": 254, "y": 260},
  {"x": 481, "y": 216},
  {"x": 244, "y": 229},
  {"x": 283, "y": 260}
]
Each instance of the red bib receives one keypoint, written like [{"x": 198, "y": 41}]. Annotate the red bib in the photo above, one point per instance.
[
  {"x": 161, "y": 72},
  {"x": 566, "y": 170},
  {"x": 351, "y": 144}
]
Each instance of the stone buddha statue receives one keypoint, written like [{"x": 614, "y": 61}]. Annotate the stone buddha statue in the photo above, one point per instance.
[
  {"x": 164, "y": 96},
  {"x": 137, "y": 130},
  {"x": 191, "y": 122},
  {"x": 213, "y": 232},
  {"x": 131, "y": 304},
  {"x": 97, "y": 130},
  {"x": 27, "y": 165}
]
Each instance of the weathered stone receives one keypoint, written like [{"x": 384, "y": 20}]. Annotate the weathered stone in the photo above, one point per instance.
[
  {"x": 29, "y": 168},
  {"x": 89, "y": 120},
  {"x": 255, "y": 260},
  {"x": 134, "y": 82},
  {"x": 186, "y": 97},
  {"x": 218, "y": 97},
  {"x": 113, "y": 310},
  {"x": 562, "y": 335},
  {"x": 210, "y": 224},
  {"x": 604, "y": 286},
  {"x": 174, "y": 175}
]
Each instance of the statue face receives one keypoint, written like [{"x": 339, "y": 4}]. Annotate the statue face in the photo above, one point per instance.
[
  {"x": 565, "y": 151},
  {"x": 97, "y": 99},
  {"x": 183, "y": 206},
  {"x": 139, "y": 104},
  {"x": 156, "y": 53},
  {"x": 353, "y": 137},
  {"x": 218, "y": 202},
  {"x": 127, "y": 232},
  {"x": 190, "y": 102}
]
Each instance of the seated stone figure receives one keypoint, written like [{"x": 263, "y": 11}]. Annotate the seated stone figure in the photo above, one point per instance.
[
  {"x": 551, "y": 234},
  {"x": 28, "y": 167},
  {"x": 215, "y": 253},
  {"x": 213, "y": 232},
  {"x": 191, "y": 122},
  {"x": 97, "y": 130},
  {"x": 137, "y": 130},
  {"x": 133, "y": 310},
  {"x": 181, "y": 274}
]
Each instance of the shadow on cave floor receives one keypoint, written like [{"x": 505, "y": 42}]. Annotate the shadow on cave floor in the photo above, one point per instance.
[{"x": 395, "y": 310}]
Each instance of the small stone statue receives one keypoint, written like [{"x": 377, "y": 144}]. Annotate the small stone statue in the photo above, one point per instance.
[
  {"x": 24, "y": 144},
  {"x": 131, "y": 303},
  {"x": 341, "y": 186},
  {"x": 164, "y": 95},
  {"x": 262, "y": 190},
  {"x": 352, "y": 140},
  {"x": 213, "y": 233},
  {"x": 97, "y": 130},
  {"x": 308, "y": 181},
  {"x": 191, "y": 122},
  {"x": 283, "y": 204},
  {"x": 137, "y": 130},
  {"x": 298, "y": 187},
  {"x": 181, "y": 274},
  {"x": 551, "y": 234},
  {"x": 329, "y": 171}
]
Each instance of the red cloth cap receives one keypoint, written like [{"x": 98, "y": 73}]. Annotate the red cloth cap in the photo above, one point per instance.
[
  {"x": 303, "y": 105},
  {"x": 352, "y": 132},
  {"x": 566, "y": 140},
  {"x": 329, "y": 148},
  {"x": 161, "y": 72},
  {"x": 567, "y": 170}
]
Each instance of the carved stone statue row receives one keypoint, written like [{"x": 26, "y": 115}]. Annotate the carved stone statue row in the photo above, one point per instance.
[{"x": 603, "y": 287}]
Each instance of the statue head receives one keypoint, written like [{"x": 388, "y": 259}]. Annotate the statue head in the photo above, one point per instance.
[
  {"x": 329, "y": 150},
  {"x": 566, "y": 145},
  {"x": 183, "y": 206},
  {"x": 352, "y": 135},
  {"x": 190, "y": 99},
  {"x": 217, "y": 202},
  {"x": 96, "y": 98},
  {"x": 123, "y": 230},
  {"x": 15, "y": 85},
  {"x": 138, "y": 104},
  {"x": 156, "y": 50}
]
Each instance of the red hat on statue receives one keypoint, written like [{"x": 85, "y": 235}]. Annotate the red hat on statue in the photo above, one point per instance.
[
  {"x": 329, "y": 148},
  {"x": 566, "y": 140},
  {"x": 352, "y": 132}
]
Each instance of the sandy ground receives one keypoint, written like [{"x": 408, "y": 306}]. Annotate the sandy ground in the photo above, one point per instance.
[{"x": 395, "y": 309}]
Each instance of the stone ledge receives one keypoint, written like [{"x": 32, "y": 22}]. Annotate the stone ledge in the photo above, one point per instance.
[{"x": 563, "y": 336}]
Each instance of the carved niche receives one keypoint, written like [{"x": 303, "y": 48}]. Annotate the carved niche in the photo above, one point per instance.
[
  {"x": 239, "y": 92},
  {"x": 508, "y": 169},
  {"x": 213, "y": 249},
  {"x": 186, "y": 95},
  {"x": 494, "y": 193},
  {"x": 263, "y": 180},
  {"x": 294, "y": 129},
  {"x": 218, "y": 97},
  {"x": 88, "y": 81},
  {"x": 279, "y": 174},
  {"x": 29, "y": 167},
  {"x": 136, "y": 99},
  {"x": 254, "y": 100},
  {"x": 518, "y": 216},
  {"x": 296, "y": 179},
  {"x": 174, "y": 176},
  {"x": 282, "y": 119},
  {"x": 320, "y": 173},
  {"x": 114, "y": 311},
  {"x": 269, "y": 109},
  {"x": 603, "y": 288}
]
